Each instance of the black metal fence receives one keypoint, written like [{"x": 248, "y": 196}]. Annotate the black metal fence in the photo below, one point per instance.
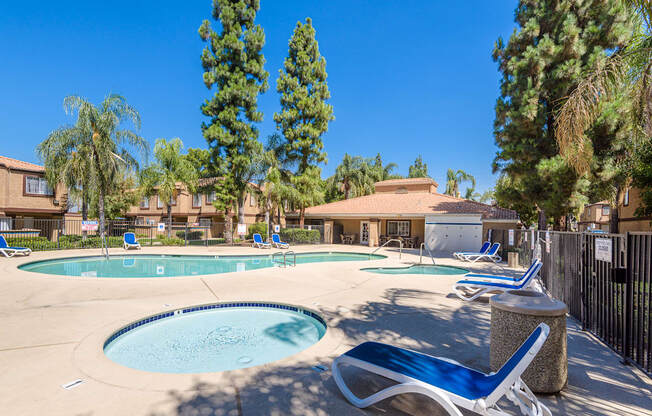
[
  {"x": 72, "y": 233},
  {"x": 605, "y": 279}
]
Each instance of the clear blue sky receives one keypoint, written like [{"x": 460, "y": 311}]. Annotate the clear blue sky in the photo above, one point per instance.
[{"x": 406, "y": 77}]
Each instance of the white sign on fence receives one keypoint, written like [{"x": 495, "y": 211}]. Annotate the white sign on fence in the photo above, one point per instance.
[
  {"x": 603, "y": 249},
  {"x": 161, "y": 226},
  {"x": 511, "y": 237},
  {"x": 547, "y": 241},
  {"x": 242, "y": 229},
  {"x": 277, "y": 228}
]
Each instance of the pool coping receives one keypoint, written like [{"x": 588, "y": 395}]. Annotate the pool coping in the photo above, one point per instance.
[
  {"x": 27, "y": 261},
  {"x": 371, "y": 269},
  {"x": 89, "y": 357}
]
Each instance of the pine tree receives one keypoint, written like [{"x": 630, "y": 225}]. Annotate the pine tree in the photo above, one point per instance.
[
  {"x": 233, "y": 64},
  {"x": 304, "y": 115},
  {"x": 418, "y": 169},
  {"x": 556, "y": 42}
]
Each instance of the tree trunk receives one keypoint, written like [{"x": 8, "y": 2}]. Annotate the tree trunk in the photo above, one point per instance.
[
  {"x": 279, "y": 214},
  {"x": 100, "y": 207},
  {"x": 613, "y": 213},
  {"x": 169, "y": 208},
  {"x": 228, "y": 226},
  {"x": 347, "y": 187},
  {"x": 302, "y": 214},
  {"x": 84, "y": 208},
  {"x": 268, "y": 208},
  {"x": 543, "y": 220},
  {"x": 241, "y": 211}
]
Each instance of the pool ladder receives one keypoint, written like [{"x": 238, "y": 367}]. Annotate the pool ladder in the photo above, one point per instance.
[{"x": 285, "y": 259}]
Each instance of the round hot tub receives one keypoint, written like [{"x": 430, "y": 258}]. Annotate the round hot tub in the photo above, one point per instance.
[{"x": 215, "y": 337}]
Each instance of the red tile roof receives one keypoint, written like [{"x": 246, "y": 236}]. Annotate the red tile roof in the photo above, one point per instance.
[
  {"x": 419, "y": 204},
  {"x": 20, "y": 165}
]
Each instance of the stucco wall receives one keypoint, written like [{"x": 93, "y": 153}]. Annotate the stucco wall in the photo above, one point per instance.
[{"x": 14, "y": 202}]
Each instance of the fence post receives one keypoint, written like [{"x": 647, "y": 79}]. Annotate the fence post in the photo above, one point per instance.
[{"x": 628, "y": 306}]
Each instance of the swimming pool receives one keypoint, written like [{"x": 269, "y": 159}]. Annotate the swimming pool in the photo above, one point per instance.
[
  {"x": 215, "y": 337},
  {"x": 145, "y": 265},
  {"x": 418, "y": 269}
]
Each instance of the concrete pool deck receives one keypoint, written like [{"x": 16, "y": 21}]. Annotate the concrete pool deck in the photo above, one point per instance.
[{"x": 52, "y": 329}]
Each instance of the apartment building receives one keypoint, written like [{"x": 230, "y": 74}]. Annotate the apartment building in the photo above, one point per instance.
[
  {"x": 629, "y": 201},
  {"x": 26, "y": 197},
  {"x": 195, "y": 208},
  {"x": 595, "y": 217}
]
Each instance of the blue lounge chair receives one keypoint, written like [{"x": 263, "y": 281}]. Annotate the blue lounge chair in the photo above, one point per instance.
[
  {"x": 483, "y": 249},
  {"x": 491, "y": 254},
  {"x": 534, "y": 267},
  {"x": 276, "y": 241},
  {"x": 472, "y": 288},
  {"x": 449, "y": 383},
  {"x": 12, "y": 251},
  {"x": 259, "y": 243},
  {"x": 129, "y": 241}
]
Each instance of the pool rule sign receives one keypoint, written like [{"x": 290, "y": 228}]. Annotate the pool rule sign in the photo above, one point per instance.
[
  {"x": 242, "y": 229},
  {"x": 603, "y": 249}
]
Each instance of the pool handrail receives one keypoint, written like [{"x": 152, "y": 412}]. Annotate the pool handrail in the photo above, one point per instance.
[
  {"x": 400, "y": 247},
  {"x": 428, "y": 250}
]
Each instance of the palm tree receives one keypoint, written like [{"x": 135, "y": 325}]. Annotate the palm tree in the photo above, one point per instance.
[
  {"x": 348, "y": 173},
  {"x": 98, "y": 145},
  {"x": 626, "y": 73},
  {"x": 169, "y": 169},
  {"x": 454, "y": 179}
]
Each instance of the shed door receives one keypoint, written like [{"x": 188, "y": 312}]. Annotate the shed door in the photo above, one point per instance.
[{"x": 450, "y": 237}]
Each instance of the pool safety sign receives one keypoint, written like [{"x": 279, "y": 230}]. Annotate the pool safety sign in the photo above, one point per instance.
[
  {"x": 511, "y": 237},
  {"x": 161, "y": 226},
  {"x": 242, "y": 229},
  {"x": 603, "y": 249},
  {"x": 547, "y": 241},
  {"x": 277, "y": 228},
  {"x": 89, "y": 226}
]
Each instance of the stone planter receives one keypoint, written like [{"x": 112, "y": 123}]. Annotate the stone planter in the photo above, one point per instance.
[
  {"x": 514, "y": 315},
  {"x": 512, "y": 259}
]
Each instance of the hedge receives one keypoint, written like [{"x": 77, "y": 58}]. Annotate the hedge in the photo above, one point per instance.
[
  {"x": 258, "y": 227},
  {"x": 76, "y": 241},
  {"x": 298, "y": 235}
]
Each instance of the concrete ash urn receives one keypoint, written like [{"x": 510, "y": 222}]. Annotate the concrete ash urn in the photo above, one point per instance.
[{"x": 514, "y": 315}]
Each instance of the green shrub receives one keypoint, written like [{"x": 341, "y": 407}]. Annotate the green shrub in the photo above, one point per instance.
[
  {"x": 300, "y": 236},
  {"x": 258, "y": 227}
]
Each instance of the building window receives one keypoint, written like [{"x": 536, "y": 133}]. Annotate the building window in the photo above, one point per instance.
[
  {"x": 626, "y": 198},
  {"x": 252, "y": 200},
  {"x": 144, "y": 203},
  {"x": 211, "y": 197},
  {"x": 605, "y": 210},
  {"x": 140, "y": 221},
  {"x": 398, "y": 228},
  {"x": 159, "y": 203},
  {"x": 72, "y": 205},
  {"x": 196, "y": 200},
  {"x": 204, "y": 222},
  {"x": 35, "y": 185}
]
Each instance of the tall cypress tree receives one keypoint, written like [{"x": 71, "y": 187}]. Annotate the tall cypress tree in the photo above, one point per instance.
[
  {"x": 304, "y": 112},
  {"x": 234, "y": 65},
  {"x": 556, "y": 43}
]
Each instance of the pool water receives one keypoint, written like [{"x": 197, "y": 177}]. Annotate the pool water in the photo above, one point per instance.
[
  {"x": 418, "y": 269},
  {"x": 213, "y": 340},
  {"x": 171, "y": 265}
]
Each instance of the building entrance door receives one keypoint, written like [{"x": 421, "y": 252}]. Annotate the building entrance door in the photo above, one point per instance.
[{"x": 364, "y": 232}]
